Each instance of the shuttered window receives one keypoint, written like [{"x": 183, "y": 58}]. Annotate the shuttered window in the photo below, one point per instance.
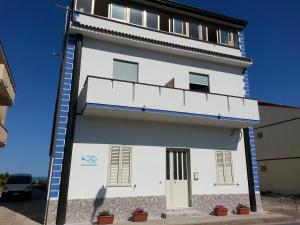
[
  {"x": 224, "y": 167},
  {"x": 120, "y": 165}
]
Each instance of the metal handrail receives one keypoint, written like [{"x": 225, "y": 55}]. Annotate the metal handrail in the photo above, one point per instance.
[{"x": 289, "y": 199}]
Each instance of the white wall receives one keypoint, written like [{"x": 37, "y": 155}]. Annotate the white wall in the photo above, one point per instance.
[
  {"x": 158, "y": 68},
  {"x": 149, "y": 141}
]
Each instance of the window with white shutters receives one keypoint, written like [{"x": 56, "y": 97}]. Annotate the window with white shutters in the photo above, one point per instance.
[
  {"x": 224, "y": 167},
  {"x": 120, "y": 165}
]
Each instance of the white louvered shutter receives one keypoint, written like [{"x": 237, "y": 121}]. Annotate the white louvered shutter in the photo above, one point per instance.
[
  {"x": 126, "y": 166},
  {"x": 220, "y": 168},
  {"x": 228, "y": 168},
  {"x": 114, "y": 169}
]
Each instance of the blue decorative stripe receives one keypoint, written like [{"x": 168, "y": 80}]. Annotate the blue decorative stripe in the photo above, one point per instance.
[
  {"x": 251, "y": 130},
  {"x": 62, "y": 119},
  {"x": 167, "y": 112}
]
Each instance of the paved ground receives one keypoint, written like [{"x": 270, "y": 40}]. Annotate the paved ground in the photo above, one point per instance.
[
  {"x": 24, "y": 212},
  {"x": 32, "y": 213}
]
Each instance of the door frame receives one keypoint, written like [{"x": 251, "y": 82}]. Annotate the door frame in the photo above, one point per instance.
[{"x": 189, "y": 181}]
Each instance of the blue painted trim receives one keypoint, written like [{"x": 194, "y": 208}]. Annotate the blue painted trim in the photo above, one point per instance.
[
  {"x": 166, "y": 112},
  {"x": 63, "y": 119}
]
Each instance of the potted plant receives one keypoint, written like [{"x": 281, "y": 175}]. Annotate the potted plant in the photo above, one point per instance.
[
  {"x": 242, "y": 209},
  {"x": 105, "y": 217},
  {"x": 139, "y": 215},
  {"x": 220, "y": 210}
]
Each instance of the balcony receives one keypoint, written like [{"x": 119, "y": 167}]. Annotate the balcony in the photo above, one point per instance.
[
  {"x": 106, "y": 29},
  {"x": 3, "y": 136},
  {"x": 121, "y": 99},
  {"x": 7, "y": 90}
]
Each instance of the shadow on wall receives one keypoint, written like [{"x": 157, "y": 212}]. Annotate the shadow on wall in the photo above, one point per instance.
[
  {"x": 98, "y": 202},
  {"x": 148, "y": 133}
]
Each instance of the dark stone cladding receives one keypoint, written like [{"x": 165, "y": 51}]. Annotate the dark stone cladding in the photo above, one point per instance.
[{"x": 157, "y": 42}]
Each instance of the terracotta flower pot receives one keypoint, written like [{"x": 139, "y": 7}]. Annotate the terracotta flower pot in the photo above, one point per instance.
[
  {"x": 243, "y": 211},
  {"x": 105, "y": 219},
  {"x": 139, "y": 217},
  {"x": 221, "y": 212}
]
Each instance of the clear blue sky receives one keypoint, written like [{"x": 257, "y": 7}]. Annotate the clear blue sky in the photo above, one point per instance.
[{"x": 31, "y": 30}]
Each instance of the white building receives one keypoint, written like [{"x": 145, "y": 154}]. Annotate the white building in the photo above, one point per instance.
[
  {"x": 278, "y": 153},
  {"x": 153, "y": 100}
]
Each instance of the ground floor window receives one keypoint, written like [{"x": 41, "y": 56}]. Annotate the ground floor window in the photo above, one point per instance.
[
  {"x": 224, "y": 167},
  {"x": 120, "y": 162}
]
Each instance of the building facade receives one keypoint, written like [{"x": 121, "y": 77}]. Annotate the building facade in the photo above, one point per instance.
[
  {"x": 7, "y": 94},
  {"x": 278, "y": 156},
  {"x": 153, "y": 110}
]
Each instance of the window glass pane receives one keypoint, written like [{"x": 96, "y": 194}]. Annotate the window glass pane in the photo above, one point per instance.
[
  {"x": 178, "y": 26},
  {"x": 225, "y": 37},
  {"x": 180, "y": 165},
  {"x": 185, "y": 169},
  {"x": 175, "y": 165},
  {"x": 136, "y": 16},
  {"x": 125, "y": 71},
  {"x": 84, "y": 6},
  {"x": 168, "y": 165},
  {"x": 118, "y": 12},
  {"x": 212, "y": 34},
  {"x": 194, "y": 30},
  {"x": 152, "y": 20},
  {"x": 199, "y": 79}
]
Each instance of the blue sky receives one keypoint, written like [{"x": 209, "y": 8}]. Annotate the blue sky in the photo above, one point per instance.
[{"x": 31, "y": 30}]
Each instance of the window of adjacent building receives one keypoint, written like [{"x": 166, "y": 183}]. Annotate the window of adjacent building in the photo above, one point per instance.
[
  {"x": 123, "y": 70},
  {"x": 120, "y": 161},
  {"x": 118, "y": 12},
  {"x": 84, "y": 6},
  {"x": 212, "y": 34},
  {"x": 179, "y": 27},
  {"x": 136, "y": 16},
  {"x": 224, "y": 167},
  {"x": 152, "y": 20},
  {"x": 259, "y": 135},
  {"x": 199, "y": 82},
  {"x": 226, "y": 37},
  {"x": 195, "y": 31},
  {"x": 263, "y": 169}
]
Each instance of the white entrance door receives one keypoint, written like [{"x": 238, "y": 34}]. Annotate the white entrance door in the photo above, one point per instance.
[{"x": 177, "y": 183}]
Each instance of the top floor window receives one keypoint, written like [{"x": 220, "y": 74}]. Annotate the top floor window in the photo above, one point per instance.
[
  {"x": 226, "y": 37},
  {"x": 134, "y": 16},
  {"x": 118, "y": 12},
  {"x": 84, "y": 6},
  {"x": 178, "y": 27}
]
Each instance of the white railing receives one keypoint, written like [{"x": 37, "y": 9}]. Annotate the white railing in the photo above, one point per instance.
[{"x": 129, "y": 94}]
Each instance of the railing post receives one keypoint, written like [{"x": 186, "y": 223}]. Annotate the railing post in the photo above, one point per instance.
[
  {"x": 228, "y": 104},
  {"x": 133, "y": 91},
  {"x": 183, "y": 97}
]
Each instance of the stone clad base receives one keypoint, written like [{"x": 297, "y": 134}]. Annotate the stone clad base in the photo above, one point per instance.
[
  {"x": 84, "y": 210},
  {"x": 51, "y": 213},
  {"x": 206, "y": 203}
]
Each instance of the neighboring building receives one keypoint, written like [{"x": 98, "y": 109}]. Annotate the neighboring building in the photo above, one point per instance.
[
  {"x": 278, "y": 148},
  {"x": 152, "y": 108},
  {"x": 7, "y": 94}
]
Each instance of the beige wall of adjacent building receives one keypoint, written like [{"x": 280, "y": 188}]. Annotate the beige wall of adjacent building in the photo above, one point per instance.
[{"x": 278, "y": 149}]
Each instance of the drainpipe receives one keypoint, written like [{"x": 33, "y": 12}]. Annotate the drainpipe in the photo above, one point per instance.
[{"x": 252, "y": 197}]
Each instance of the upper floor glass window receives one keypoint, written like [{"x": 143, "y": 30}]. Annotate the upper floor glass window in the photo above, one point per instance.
[
  {"x": 199, "y": 82},
  {"x": 124, "y": 70},
  {"x": 226, "y": 37},
  {"x": 195, "y": 31},
  {"x": 118, "y": 12},
  {"x": 152, "y": 20},
  {"x": 179, "y": 27},
  {"x": 136, "y": 16},
  {"x": 84, "y": 6}
]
